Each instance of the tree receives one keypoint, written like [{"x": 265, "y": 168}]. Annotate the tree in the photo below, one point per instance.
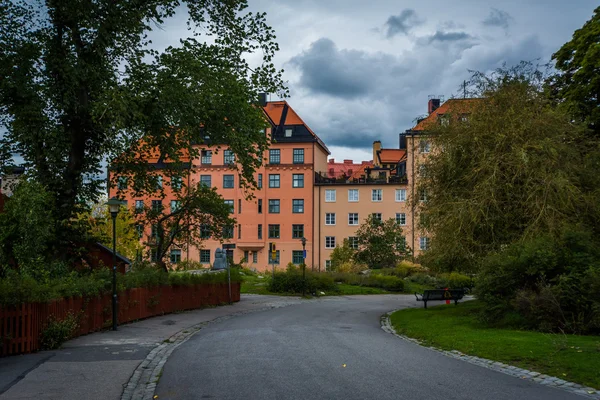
[
  {"x": 99, "y": 222},
  {"x": 511, "y": 171},
  {"x": 578, "y": 86},
  {"x": 380, "y": 243},
  {"x": 80, "y": 83},
  {"x": 341, "y": 254}
]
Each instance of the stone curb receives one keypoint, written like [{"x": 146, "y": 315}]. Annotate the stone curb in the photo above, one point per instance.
[
  {"x": 498, "y": 366},
  {"x": 142, "y": 383}
]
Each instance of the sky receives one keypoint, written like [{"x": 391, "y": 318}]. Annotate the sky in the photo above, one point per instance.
[{"x": 360, "y": 71}]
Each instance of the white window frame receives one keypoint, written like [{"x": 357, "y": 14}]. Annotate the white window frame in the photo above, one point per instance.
[
  {"x": 424, "y": 146},
  {"x": 330, "y": 196},
  {"x": 373, "y": 191},
  {"x": 330, "y": 242},
  {"x": 327, "y": 265},
  {"x": 357, "y": 219},
  {"x": 424, "y": 243},
  {"x": 423, "y": 195},
  {"x": 350, "y": 200},
  {"x": 401, "y": 195},
  {"x": 329, "y": 218},
  {"x": 378, "y": 216},
  {"x": 398, "y": 219}
]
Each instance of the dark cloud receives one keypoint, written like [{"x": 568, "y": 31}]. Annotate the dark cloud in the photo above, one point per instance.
[
  {"x": 402, "y": 23},
  {"x": 441, "y": 36},
  {"x": 498, "y": 18}
]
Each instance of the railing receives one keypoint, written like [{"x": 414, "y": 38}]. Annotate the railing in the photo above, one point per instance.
[
  {"x": 324, "y": 178},
  {"x": 21, "y": 326}
]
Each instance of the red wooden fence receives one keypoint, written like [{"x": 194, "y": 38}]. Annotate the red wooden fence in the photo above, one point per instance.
[{"x": 21, "y": 326}]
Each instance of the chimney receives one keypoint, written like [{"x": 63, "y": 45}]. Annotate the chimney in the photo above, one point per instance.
[
  {"x": 433, "y": 105},
  {"x": 262, "y": 99},
  {"x": 402, "y": 144},
  {"x": 347, "y": 161},
  {"x": 376, "y": 148},
  {"x": 331, "y": 161}
]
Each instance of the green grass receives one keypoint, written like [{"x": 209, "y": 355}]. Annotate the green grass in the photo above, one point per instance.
[
  {"x": 252, "y": 284},
  {"x": 345, "y": 290},
  {"x": 570, "y": 357}
]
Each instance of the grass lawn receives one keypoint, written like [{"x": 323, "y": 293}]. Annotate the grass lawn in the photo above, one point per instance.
[
  {"x": 254, "y": 285},
  {"x": 345, "y": 289},
  {"x": 572, "y": 358}
]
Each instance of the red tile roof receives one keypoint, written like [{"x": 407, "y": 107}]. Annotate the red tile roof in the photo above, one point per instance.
[
  {"x": 387, "y": 156},
  {"x": 450, "y": 106},
  {"x": 347, "y": 168}
]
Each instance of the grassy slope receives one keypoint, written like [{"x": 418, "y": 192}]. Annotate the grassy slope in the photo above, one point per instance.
[{"x": 570, "y": 357}]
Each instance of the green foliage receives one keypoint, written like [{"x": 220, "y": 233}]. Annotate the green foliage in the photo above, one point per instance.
[
  {"x": 189, "y": 265},
  {"x": 391, "y": 283},
  {"x": 28, "y": 228},
  {"x": 380, "y": 243},
  {"x": 57, "y": 332},
  {"x": 510, "y": 172},
  {"x": 578, "y": 84},
  {"x": 291, "y": 281},
  {"x": 552, "y": 283},
  {"x": 455, "y": 280},
  {"x": 341, "y": 255}
]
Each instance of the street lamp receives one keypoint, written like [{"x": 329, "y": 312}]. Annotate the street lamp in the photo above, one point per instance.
[
  {"x": 113, "y": 206},
  {"x": 303, "y": 239}
]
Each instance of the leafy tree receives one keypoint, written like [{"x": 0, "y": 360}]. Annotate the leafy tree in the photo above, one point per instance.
[
  {"x": 381, "y": 244},
  {"x": 341, "y": 254},
  {"x": 198, "y": 213},
  {"x": 27, "y": 232},
  {"x": 80, "y": 83},
  {"x": 510, "y": 172},
  {"x": 578, "y": 84},
  {"x": 99, "y": 222}
]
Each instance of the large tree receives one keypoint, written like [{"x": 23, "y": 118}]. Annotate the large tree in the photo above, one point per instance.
[
  {"x": 80, "y": 83},
  {"x": 577, "y": 86},
  {"x": 381, "y": 244},
  {"x": 508, "y": 172}
]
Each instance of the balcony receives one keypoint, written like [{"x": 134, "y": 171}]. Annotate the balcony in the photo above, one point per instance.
[{"x": 326, "y": 178}]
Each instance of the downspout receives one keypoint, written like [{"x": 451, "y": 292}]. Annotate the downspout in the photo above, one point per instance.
[{"x": 313, "y": 210}]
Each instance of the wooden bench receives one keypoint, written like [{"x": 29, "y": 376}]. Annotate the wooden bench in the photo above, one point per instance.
[{"x": 440, "y": 294}]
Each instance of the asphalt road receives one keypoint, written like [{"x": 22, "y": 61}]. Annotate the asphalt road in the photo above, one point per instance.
[{"x": 330, "y": 348}]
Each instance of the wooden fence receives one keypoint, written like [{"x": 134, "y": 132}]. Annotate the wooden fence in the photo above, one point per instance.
[{"x": 21, "y": 326}]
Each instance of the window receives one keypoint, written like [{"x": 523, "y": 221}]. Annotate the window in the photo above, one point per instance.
[
  {"x": 228, "y": 157},
  {"x": 228, "y": 182},
  {"x": 423, "y": 243},
  {"x": 140, "y": 230},
  {"x": 228, "y": 232},
  {"x": 400, "y": 194},
  {"x": 444, "y": 119},
  {"x": 205, "y": 256},
  {"x": 423, "y": 195},
  {"x": 274, "y": 180},
  {"x": 260, "y": 181},
  {"x": 159, "y": 181},
  {"x": 175, "y": 256},
  {"x": 206, "y": 157},
  {"x": 329, "y": 242},
  {"x": 298, "y": 206},
  {"x": 154, "y": 231},
  {"x": 175, "y": 204},
  {"x": 245, "y": 256},
  {"x": 153, "y": 255},
  {"x": 204, "y": 231},
  {"x": 327, "y": 265},
  {"x": 274, "y": 207},
  {"x": 422, "y": 171},
  {"x": 239, "y": 231},
  {"x": 297, "y": 231},
  {"x": 297, "y": 257},
  {"x": 298, "y": 180},
  {"x": 377, "y": 217},
  {"x": 288, "y": 132},
  {"x": 260, "y": 231},
  {"x": 352, "y": 195},
  {"x": 274, "y": 231},
  {"x": 139, "y": 205},
  {"x": 206, "y": 180},
  {"x": 330, "y": 195},
  {"x": 424, "y": 146},
  {"x": 298, "y": 156},
  {"x": 353, "y": 242},
  {"x": 329, "y": 218},
  {"x": 376, "y": 195},
  {"x": 176, "y": 182},
  {"x": 122, "y": 183},
  {"x": 254, "y": 257},
  {"x": 239, "y": 206},
  {"x": 274, "y": 156},
  {"x": 260, "y": 206},
  {"x": 157, "y": 205},
  {"x": 352, "y": 218},
  {"x": 230, "y": 204},
  {"x": 401, "y": 218}
]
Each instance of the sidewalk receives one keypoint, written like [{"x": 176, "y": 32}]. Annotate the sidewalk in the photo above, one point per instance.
[{"x": 99, "y": 365}]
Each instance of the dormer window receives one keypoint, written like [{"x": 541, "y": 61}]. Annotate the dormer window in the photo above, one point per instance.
[
  {"x": 288, "y": 133},
  {"x": 444, "y": 120}
]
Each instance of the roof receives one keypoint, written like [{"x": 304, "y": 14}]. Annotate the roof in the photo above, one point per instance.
[
  {"x": 119, "y": 256},
  {"x": 387, "y": 156},
  {"x": 450, "y": 106},
  {"x": 347, "y": 168},
  {"x": 275, "y": 110}
]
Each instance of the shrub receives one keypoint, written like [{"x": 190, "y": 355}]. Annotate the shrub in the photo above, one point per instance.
[
  {"x": 58, "y": 332},
  {"x": 455, "y": 280},
  {"x": 188, "y": 265},
  {"x": 391, "y": 283},
  {"x": 291, "y": 281},
  {"x": 350, "y": 267},
  {"x": 423, "y": 279}
]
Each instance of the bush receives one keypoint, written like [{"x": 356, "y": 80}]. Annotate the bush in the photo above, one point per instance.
[
  {"x": 58, "y": 332},
  {"x": 351, "y": 267},
  {"x": 423, "y": 279},
  {"x": 291, "y": 281},
  {"x": 454, "y": 280},
  {"x": 391, "y": 283},
  {"x": 188, "y": 265}
]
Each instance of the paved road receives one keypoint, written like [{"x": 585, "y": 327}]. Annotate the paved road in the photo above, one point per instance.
[{"x": 299, "y": 352}]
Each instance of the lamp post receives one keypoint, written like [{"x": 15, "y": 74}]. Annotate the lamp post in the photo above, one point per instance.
[
  {"x": 114, "y": 205},
  {"x": 303, "y": 239}
]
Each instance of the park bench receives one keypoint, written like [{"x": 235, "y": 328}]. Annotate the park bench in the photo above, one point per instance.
[{"x": 440, "y": 294}]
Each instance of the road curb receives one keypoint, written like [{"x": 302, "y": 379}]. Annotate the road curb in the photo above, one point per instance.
[
  {"x": 142, "y": 383},
  {"x": 520, "y": 373}
]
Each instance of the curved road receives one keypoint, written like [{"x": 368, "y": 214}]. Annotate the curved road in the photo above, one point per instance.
[{"x": 330, "y": 348}]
